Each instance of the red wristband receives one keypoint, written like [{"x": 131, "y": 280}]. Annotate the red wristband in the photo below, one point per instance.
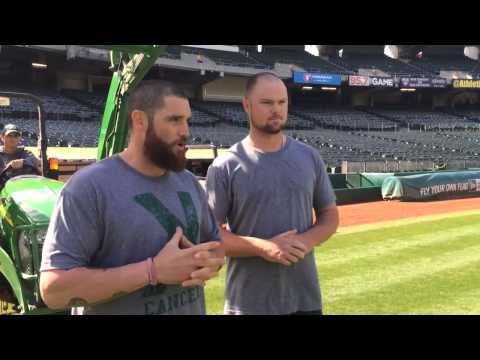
[{"x": 152, "y": 274}]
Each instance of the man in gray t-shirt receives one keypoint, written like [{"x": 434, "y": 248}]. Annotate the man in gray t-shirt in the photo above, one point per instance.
[
  {"x": 133, "y": 234},
  {"x": 264, "y": 188}
]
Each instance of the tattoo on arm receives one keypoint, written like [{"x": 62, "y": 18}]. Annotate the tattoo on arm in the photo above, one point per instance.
[{"x": 81, "y": 302}]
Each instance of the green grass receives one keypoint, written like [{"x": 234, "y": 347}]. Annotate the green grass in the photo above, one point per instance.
[{"x": 428, "y": 265}]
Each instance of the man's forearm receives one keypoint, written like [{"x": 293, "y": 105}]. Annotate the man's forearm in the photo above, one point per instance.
[
  {"x": 241, "y": 246},
  {"x": 325, "y": 227},
  {"x": 85, "y": 286}
]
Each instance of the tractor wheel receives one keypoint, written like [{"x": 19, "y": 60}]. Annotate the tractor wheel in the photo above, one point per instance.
[{"x": 8, "y": 302}]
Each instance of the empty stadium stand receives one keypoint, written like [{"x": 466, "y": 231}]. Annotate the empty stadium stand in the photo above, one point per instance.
[
  {"x": 343, "y": 118},
  {"x": 437, "y": 63},
  {"x": 301, "y": 58},
  {"x": 354, "y": 62},
  {"x": 219, "y": 57},
  {"x": 426, "y": 119}
]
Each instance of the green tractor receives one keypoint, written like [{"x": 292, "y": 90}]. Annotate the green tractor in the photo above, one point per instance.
[{"x": 27, "y": 201}]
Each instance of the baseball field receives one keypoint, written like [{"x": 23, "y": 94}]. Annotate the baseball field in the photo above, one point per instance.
[
  {"x": 394, "y": 258},
  {"x": 425, "y": 264}
]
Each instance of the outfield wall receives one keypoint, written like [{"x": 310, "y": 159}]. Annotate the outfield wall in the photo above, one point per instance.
[{"x": 432, "y": 186}]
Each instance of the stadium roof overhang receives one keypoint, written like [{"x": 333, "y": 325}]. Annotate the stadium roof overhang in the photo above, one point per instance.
[{"x": 192, "y": 77}]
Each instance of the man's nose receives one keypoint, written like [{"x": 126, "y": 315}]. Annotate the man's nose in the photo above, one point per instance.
[
  {"x": 276, "y": 110},
  {"x": 184, "y": 130}
]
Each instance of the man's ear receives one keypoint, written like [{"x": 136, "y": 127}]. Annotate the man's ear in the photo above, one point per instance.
[
  {"x": 246, "y": 105},
  {"x": 139, "y": 120}
]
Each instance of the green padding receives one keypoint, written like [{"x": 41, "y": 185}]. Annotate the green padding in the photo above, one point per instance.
[
  {"x": 436, "y": 185},
  {"x": 355, "y": 181},
  {"x": 338, "y": 181},
  {"x": 409, "y": 173},
  {"x": 352, "y": 196}
]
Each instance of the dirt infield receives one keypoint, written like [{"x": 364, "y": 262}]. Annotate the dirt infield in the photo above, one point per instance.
[{"x": 377, "y": 211}]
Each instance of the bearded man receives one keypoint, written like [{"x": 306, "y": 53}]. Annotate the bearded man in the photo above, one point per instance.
[{"x": 133, "y": 233}]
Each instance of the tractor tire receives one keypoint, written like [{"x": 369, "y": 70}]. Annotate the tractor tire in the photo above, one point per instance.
[{"x": 8, "y": 302}]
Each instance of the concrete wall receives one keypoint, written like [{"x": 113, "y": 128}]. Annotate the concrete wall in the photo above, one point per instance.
[
  {"x": 72, "y": 80},
  {"x": 224, "y": 89}
]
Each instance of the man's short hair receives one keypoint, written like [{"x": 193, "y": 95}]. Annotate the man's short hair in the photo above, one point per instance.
[
  {"x": 149, "y": 96},
  {"x": 252, "y": 81}
]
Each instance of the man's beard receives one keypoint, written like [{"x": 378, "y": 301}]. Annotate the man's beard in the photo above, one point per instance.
[
  {"x": 268, "y": 128},
  {"x": 161, "y": 153}
]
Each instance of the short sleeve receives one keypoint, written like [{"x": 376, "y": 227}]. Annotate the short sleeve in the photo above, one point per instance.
[
  {"x": 74, "y": 233},
  {"x": 208, "y": 229},
  {"x": 218, "y": 192},
  {"x": 323, "y": 193}
]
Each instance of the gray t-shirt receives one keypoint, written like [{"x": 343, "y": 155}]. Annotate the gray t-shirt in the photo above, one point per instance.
[
  {"x": 263, "y": 195},
  {"x": 109, "y": 215}
]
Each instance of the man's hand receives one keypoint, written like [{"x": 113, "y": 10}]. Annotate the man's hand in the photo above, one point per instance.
[
  {"x": 214, "y": 260},
  {"x": 284, "y": 249},
  {"x": 190, "y": 266},
  {"x": 16, "y": 164},
  {"x": 198, "y": 277}
]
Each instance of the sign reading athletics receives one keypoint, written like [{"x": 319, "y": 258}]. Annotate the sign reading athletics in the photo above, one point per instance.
[
  {"x": 316, "y": 78},
  {"x": 466, "y": 83}
]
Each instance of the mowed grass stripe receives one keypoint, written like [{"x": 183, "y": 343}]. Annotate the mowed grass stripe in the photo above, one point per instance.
[
  {"x": 385, "y": 272},
  {"x": 407, "y": 256},
  {"x": 419, "y": 219},
  {"x": 378, "y": 274},
  {"x": 342, "y": 241},
  {"x": 394, "y": 244},
  {"x": 436, "y": 276},
  {"x": 450, "y": 291},
  {"x": 460, "y": 303},
  {"x": 214, "y": 293}
]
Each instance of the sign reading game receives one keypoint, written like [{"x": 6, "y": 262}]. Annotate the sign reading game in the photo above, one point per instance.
[
  {"x": 357, "y": 80},
  {"x": 381, "y": 81},
  {"x": 466, "y": 84},
  {"x": 300, "y": 77}
]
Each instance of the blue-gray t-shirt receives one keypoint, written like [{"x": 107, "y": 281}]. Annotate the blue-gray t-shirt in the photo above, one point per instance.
[
  {"x": 263, "y": 195},
  {"x": 108, "y": 215}
]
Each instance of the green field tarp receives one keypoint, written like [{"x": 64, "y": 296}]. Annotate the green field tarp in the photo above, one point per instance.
[
  {"x": 376, "y": 179},
  {"x": 437, "y": 185}
]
